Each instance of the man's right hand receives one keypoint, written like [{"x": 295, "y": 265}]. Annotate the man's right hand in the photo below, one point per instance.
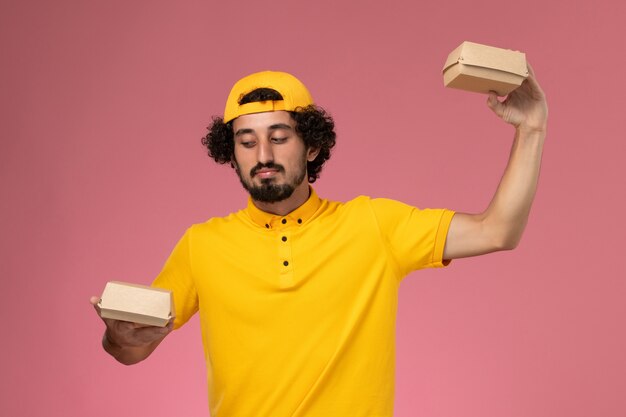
[{"x": 128, "y": 342}]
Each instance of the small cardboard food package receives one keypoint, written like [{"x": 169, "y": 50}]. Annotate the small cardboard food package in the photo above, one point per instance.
[
  {"x": 136, "y": 303},
  {"x": 482, "y": 68}
]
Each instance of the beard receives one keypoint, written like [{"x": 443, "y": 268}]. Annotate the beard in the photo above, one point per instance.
[{"x": 269, "y": 191}]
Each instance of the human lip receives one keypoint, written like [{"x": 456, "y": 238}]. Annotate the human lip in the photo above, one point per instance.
[{"x": 266, "y": 172}]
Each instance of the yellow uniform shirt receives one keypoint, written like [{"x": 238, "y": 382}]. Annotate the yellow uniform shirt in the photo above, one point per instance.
[{"x": 298, "y": 312}]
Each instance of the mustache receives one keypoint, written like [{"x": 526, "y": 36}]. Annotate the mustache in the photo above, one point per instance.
[{"x": 269, "y": 165}]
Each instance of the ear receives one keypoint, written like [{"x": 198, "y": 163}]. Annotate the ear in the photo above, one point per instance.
[{"x": 312, "y": 153}]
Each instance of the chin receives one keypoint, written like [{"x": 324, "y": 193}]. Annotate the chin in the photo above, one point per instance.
[{"x": 271, "y": 193}]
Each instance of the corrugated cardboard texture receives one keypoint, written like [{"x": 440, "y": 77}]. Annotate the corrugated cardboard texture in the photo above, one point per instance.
[
  {"x": 136, "y": 303},
  {"x": 482, "y": 68}
]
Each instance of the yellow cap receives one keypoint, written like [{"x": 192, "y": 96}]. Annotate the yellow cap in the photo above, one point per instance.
[{"x": 294, "y": 93}]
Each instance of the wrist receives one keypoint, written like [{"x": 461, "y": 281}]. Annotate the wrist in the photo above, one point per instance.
[{"x": 530, "y": 132}]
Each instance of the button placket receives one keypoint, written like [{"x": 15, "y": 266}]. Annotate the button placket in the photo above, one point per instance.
[{"x": 285, "y": 257}]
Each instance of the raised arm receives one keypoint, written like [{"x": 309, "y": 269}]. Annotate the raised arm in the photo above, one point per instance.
[
  {"x": 501, "y": 225},
  {"x": 130, "y": 343}
]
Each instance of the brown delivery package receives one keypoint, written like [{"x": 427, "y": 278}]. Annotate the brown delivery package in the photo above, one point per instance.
[
  {"x": 136, "y": 303},
  {"x": 482, "y": 68}
]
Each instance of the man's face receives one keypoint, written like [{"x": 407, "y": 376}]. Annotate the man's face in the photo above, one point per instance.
[{"x": 270, "y": 158}]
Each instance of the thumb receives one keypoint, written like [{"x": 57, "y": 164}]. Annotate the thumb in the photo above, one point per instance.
[{"x": 94, "y": 300}]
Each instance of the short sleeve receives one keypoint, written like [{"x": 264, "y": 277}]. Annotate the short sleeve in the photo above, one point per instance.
[
  {"x": 177, "y": 277},
  {"x": 414, "y": 237}
]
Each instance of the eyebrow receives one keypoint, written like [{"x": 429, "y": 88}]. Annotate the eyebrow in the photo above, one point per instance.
[
  {"x": 280, "y": 126},
  {"x": 243, "y": 132},
  {"x": 272, "y": 127}
]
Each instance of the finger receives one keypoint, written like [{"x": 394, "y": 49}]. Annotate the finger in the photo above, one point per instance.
[
  {"x": 529, "y": 90},
  {"x": 118, "y": 326},
  {"x": 169, "y": 327},
  {"x": 139, "y": 325},
  {"x": 95, "y": 301},
  {"x": 495, "y": 104},
  {"x": 128, "y": 326},
  {"x": 536, "y": 90}
]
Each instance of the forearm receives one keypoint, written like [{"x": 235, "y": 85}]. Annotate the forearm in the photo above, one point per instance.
[{"x": 507, "y": 214}]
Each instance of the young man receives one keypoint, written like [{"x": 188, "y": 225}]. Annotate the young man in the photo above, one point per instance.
[{"x": 297, "y": 295}]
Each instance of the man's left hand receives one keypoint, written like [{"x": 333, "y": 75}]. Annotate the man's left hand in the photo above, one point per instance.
[{"x": 525, "y": 108}]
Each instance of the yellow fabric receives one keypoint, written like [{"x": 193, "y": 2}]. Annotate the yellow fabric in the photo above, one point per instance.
[
  {"x": 294, "y": 93},
  {"x": 314, "y": 336}
]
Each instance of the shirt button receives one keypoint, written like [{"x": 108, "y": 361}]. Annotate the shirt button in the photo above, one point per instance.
[
  {"x": 284, "y": 238},
  {"x": 284, "y": 221},
  {"x": 299, "y": 221},
  {"x": 286, "y": 263}
]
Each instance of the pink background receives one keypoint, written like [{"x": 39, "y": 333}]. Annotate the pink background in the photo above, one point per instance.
[{"x": 101, "y": 171}]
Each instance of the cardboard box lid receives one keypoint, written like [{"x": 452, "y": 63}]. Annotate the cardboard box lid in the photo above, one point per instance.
[
  {"x": 137, "y": 303},
  {"x": 475, "y": 54}
]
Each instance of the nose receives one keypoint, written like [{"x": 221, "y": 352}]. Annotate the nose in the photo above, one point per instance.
[{"x": 264, "y": 152}]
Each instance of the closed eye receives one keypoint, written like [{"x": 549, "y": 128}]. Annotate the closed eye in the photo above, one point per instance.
[
  {"x": 279, "y": 140},
  {"x": 247, "y": 144}
]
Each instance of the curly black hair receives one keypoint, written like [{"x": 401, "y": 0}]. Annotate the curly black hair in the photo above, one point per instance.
[{"x": 313, "y": 124}]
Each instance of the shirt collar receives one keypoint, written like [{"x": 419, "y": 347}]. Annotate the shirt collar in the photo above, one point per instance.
[{"x": 297, "y": 217}]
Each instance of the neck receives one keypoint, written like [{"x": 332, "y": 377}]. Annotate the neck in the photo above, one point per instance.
[{"x": 280, "y": 208}]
